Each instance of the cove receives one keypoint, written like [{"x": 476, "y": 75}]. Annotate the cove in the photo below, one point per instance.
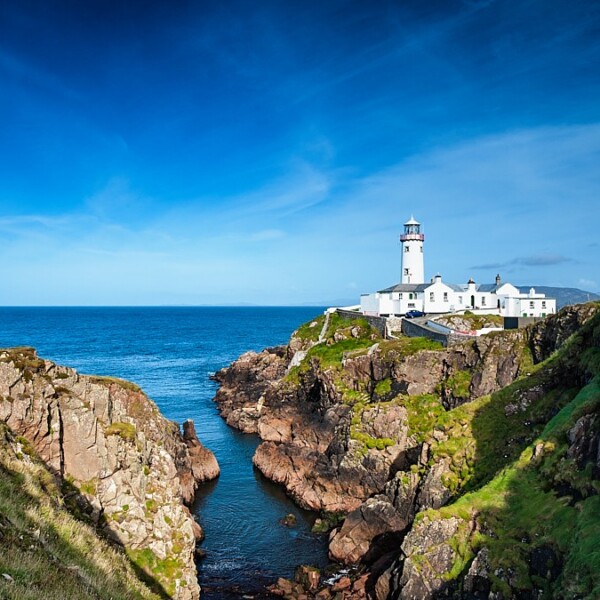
[{"x": 170, "y": 353}]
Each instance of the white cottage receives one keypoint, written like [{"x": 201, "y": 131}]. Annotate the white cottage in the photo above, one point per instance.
[{"x": 438, "y": 297}]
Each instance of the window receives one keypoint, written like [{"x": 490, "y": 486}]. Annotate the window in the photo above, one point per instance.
[
  {"x": 400, "y": 296},
  {"x": 421, "y": 248},
  {"x": 531, "y": 305},
  {"x": 406, "y": 271},
  {"x": 431, "y": 297},
  {"x": 445, "y": 296},
  {"x": 460, "y": 299},
  {"x": 482, "y": 300},
  {"x": 543, "y": 304},
  {"x": 411, "y": 296},
  {"x": 406, "y": 248},
  {"x": 411, "y": 305}
]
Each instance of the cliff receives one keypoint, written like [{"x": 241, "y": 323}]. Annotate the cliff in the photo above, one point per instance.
[
  {"x": 111, "y": 460},
  {"x": 427, "y": 452}
]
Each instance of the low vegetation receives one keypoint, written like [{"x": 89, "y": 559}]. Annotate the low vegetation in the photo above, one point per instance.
[
  {"x": 310, "y": 331},
  {"x": 47, "y": 553},
  {"x": 514, "y": 473},
  {"x": 125, "y": 431},
  {"x": 105, "y": 380}
]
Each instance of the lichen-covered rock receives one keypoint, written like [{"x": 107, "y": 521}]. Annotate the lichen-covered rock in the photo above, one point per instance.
[
  {"x": 383, "y": 429},
  {"x": 427, "y": 559},
  {"x": 132, "y": 467},
  {"x": 550, "y": 334}
]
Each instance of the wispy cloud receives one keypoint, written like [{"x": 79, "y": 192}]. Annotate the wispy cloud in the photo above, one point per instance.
[
  {"x": 266, "y": 235},
  {"x": 539, "y": 260}
]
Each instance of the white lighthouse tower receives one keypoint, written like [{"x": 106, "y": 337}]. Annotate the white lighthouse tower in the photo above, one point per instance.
[{"x": 412, "y": 239}]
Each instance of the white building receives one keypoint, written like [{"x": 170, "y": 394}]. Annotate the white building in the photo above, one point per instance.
[{"x": 438, "y": 297}]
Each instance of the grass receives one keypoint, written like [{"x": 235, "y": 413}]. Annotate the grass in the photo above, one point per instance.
[
  {"x": 166, "y": 570},
  {"x": 310, "y": 331},
  {"x": 457, "y": 385},
  {"x": 48, "y": 553},
  {"x": 407, "y": 346},
  {"x": 332, "y": 355},
  {"x": 521, "y": 509},
  {"x": 125, "y": 431},
  {"x": 104, "y": 380},
  {"x": 344, "y": 337}
]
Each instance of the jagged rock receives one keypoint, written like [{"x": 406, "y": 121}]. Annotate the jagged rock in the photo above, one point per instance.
[
  {"x": 200, "y": 463},
  {"x": 344, "y": 436},
  {"x": 362, "y": 527},
  {"x": 547, "y": 336},
  {"x": 433, "y": 493},
  {"x": 584, "y": 442},
  {"x": 343, "y": 583},
  {"x": 427, "y": 558},
  {"x": 477, "y": 581},
  {"x": 308, "y": 578},
  {"x": 131, "y": 465},
  {"x": 289, "y": 520},
  {"x": 402, "y": 492}
]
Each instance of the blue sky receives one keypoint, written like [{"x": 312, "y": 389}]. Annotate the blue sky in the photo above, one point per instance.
[{"x": 239, "y": 152}]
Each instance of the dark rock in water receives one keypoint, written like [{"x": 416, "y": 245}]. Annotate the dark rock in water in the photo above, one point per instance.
[
  {"x": 289, "y": 520},
  {"x": 203, "y": 465}
]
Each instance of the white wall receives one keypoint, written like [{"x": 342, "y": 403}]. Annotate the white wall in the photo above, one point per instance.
[{"x": 439, "y": 298}]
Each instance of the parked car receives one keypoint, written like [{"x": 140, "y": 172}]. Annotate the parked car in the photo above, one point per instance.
[{"x": 411, "y": 314}]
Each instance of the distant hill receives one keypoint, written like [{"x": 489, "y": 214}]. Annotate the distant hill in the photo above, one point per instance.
[{"x": 564, "y": 296}]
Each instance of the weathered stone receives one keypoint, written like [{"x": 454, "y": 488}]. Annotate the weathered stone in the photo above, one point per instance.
[
  {"x": 343, "y": 583},
  {"x": 372, "y": 519},
  {"x": 129, "y": 463},
  {"x": 477, "y": 581},
  {"x": 308, "y": 578}
]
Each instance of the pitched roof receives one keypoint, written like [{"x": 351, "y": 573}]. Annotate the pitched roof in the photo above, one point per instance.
[
  {"x": 406, "y": 287},
  {"x": 421, "y": 287}
]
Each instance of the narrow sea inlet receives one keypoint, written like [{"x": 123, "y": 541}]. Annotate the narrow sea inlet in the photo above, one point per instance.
[{"x": 171, "y": 353}]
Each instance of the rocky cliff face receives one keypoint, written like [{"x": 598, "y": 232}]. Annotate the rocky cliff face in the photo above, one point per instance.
[
  {"x": 130, "y": 470},
  {"x": 386, "y": 432},
  {"x": 335, "y": 429}
]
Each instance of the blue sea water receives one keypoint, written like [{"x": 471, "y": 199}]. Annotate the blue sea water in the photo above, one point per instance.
[{"x": 171, "y": 353}]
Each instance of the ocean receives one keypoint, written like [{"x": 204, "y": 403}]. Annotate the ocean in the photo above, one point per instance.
[{"x": 170, "y": 352}]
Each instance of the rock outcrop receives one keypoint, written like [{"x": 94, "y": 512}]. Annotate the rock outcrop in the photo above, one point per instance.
[
  {"x": 335, "y": 433},
  {"x": 384, "y": 430},
  {"x": 130, "y": 469}
]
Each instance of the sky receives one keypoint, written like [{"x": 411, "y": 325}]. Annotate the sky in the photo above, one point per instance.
[{"x": 230, "y": 152}]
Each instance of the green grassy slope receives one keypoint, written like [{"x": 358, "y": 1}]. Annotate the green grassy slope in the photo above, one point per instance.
[
  {"x": 45, "y": 552},
  {"x": 536, "y": 503}
]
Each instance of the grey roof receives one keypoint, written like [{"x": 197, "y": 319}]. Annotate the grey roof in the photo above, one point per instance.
[
  {"x": 487, "y": 287},
  {"x": 421, "y": 287},
  {"x": 406, "y": 287}
]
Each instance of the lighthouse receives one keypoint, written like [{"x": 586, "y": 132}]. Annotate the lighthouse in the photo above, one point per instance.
[{"x": 412, "y": 239}]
